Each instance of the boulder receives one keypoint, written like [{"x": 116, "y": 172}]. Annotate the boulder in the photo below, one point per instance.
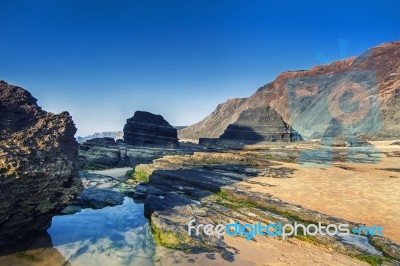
[{"x": 38, "y": 164}]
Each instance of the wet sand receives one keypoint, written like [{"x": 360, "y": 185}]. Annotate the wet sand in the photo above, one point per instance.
[{"x": 261, "y": 251}]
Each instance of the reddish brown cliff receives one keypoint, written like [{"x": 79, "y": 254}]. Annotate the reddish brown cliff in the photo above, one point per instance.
[{"x": 379, "y": 65}]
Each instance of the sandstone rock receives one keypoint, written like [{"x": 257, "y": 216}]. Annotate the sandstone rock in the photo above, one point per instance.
[
  {"x": 38, "y": 164},
  {"x": 147, "y": 129}
]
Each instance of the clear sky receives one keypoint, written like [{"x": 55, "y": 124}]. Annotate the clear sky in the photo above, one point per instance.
[{"x": 102, "y": 60}]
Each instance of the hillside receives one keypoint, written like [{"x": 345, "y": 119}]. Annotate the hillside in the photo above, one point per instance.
[{"x": 376, "y": 72}]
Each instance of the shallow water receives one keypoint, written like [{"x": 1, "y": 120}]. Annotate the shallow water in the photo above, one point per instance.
[
  {"x": 113, "y": 172},
  {"x": 361, "y": 242},
  {"x": 118, "y": 235}
]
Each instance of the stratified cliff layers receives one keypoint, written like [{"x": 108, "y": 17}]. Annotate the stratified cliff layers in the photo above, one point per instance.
[
  {"x": 38, "y": 164},
  {"x": 147, "y": 129},
  {"x": 260, "y": 124},
  {"x": 254, "y": 126},
  {"x": 358, "y": 95}
]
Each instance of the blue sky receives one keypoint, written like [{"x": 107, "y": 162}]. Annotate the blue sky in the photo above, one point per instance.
[{"x": 102, "y": 60}]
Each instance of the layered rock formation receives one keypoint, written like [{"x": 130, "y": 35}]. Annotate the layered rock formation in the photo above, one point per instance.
[
  {"x": 308, "y": 99},
  {"x": 38, "y": 164},
  {"x": 147, "y": 129},
  {"x": 102, "y": 153},
  {"x": 258, "y": 124},
  {"x": 255, "y": 125}
]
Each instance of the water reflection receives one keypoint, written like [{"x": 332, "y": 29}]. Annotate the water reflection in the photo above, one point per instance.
[
  {"x": 118, "y": 235},
  {"x": 37, "y": 250}
]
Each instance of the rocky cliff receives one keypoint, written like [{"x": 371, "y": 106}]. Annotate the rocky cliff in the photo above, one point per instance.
[
  {"x": 214, "y": 125},
  {"x": 147, "y": 129},
  {"x": 311, "y": 100},
  {"x": 38, "y": 164}
]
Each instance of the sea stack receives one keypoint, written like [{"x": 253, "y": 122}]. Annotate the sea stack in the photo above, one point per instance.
[
  {"x": 38, "y": 164},
  {"x": 149, "y": 130}
]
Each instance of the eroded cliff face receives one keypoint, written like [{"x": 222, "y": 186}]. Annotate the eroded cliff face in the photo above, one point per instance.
[
  {"x": 377, "y": 71},
  {"x": 38, "y": 164}
]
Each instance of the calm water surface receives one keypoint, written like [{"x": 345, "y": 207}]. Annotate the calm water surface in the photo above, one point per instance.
[{"x": 118, "y": 235}]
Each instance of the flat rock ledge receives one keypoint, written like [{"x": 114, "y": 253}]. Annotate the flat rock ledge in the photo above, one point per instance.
[{"x": 211, "y": 188}]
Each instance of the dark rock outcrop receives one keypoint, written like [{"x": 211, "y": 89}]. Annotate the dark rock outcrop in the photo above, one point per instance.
[
  {"x": 38, "y": 164},
  {"x": 103, "y": 153},
  {"x": 146, "y": 137},
  {"x": 255, "y": 125},
  {"x": 149, "y": 130},
  {"x": 260, "y": 124}
]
